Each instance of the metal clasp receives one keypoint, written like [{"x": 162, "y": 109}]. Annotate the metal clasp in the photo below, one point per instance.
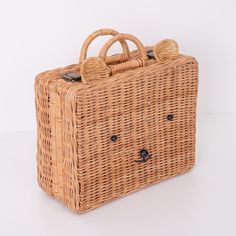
[{"x": 71, "y": 76}]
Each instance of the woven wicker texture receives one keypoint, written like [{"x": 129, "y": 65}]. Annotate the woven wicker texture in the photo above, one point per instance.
[
  {"x": 109, "y": 60},
  {"x": 94, "y": 68},
  {"x": 91, "y": 136},
  {"x": 166, "y": 50}
]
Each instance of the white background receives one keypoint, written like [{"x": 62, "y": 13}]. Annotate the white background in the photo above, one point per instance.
[
  {"x": 41, "y": 35},
  {"x": 45, "y": 34}
]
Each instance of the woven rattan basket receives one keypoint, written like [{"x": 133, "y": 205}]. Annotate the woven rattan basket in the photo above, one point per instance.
[{"x": 109, "y": 126}]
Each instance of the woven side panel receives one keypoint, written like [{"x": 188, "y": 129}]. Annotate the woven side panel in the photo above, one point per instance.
[
  {"x": 69, "y": 132},
  {"x": 135, "y": 106},
  {"x": 56, "y": 142},
  {"x": 50, "y": 157},
  {"x": 44, "y": 146}
]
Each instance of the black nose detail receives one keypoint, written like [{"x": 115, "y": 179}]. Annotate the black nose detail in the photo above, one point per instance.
[
  {"x": 170, "y": 117},
  {"x": 144, "y": 155},
  {"x": 114, "y": 138}
]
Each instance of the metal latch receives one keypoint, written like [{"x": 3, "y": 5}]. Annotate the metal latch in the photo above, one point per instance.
[
  {"x": 150, "y": 54},
  {"x": 72, "y": 76}
]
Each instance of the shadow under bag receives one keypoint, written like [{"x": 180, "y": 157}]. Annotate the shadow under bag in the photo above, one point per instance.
[{"x": 111, "y": 125}]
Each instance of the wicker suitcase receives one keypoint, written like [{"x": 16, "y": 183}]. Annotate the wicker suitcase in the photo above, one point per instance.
[{"x": 109, "y": 126}]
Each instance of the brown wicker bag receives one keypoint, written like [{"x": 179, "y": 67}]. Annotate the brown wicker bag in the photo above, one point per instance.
[{"x": 109, "y": 126}]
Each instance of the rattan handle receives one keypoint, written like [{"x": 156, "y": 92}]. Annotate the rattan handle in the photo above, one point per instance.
[
  {"x": 114, "y": 59},
  {"x": 128, "y": 64}
]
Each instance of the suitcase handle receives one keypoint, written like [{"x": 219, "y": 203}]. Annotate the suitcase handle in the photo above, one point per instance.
[
  {"x": 137, "y": 62},
  {"x": 109, "y": 60}
]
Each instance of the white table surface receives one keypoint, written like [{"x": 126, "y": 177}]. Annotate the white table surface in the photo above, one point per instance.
[{"x": 201, "y": 202}]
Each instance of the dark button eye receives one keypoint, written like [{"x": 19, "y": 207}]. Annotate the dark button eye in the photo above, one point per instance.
[
  {"x": 114, "y": 138},
  {"x": 170, "y": 117},
  {"x": 143, "y": 153}
]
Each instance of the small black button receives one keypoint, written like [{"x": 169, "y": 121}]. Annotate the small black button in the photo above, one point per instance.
[
  {"x": 114, "y": 138},
  {"x": 143, "y": 154},
  {"x": 170, "y": 117}
]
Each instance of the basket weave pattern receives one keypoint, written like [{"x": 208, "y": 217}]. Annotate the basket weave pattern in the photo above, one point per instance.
[{"x": 150, "y": 107}]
